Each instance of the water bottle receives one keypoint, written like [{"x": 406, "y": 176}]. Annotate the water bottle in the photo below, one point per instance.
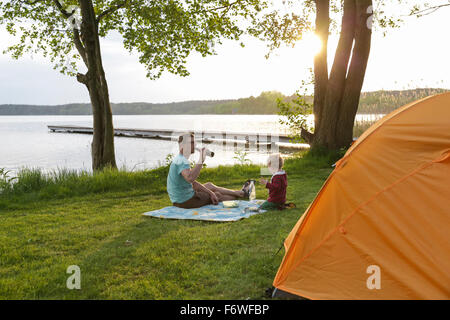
[
  {"x": 253, "y": 192},
  {"x": 209, "y": 153}
]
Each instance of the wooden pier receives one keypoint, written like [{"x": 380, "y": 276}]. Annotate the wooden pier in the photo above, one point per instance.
[{"x": 210, "y": 136}]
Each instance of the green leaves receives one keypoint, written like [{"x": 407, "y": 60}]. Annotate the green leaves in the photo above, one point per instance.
[
  {"x": 163, "y": 32},
  {"x": 39, "y": 28},
  {"x": 295, "y": 113}
]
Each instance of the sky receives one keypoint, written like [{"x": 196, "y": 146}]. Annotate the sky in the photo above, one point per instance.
[{"x": 416, "y": 55}]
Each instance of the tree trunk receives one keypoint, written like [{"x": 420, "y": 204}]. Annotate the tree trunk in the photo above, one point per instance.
[
  {"x": 102, "y": 147},
  {"x": 355, "y": 78},
  {"x": 320, "y": 68},
  {"x": 336, "y": 98},
  {"x": 338, "y": 74}
]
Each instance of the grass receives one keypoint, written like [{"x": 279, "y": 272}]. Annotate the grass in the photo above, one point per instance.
[{"x": 48, "y": 223}]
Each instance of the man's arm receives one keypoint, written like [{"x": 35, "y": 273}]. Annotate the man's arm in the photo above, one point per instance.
[{"x": 190, "y": 175}]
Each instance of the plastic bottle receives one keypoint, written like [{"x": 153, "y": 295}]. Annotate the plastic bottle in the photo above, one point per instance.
[
  {"x": 209, "y": 153},
  {"x": 253, "y": 192}
]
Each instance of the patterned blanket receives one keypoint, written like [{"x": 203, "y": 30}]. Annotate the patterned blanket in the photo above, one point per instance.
[{"x": 210, "y": 212}]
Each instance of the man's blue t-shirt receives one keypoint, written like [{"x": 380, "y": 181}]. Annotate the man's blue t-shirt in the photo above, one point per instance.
[{"x": 178, "y": 188}]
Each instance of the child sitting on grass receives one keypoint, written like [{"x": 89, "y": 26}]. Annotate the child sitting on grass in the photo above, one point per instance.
[{"x": 277, "y": 185}]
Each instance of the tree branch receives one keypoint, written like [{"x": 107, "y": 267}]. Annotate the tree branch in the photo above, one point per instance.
[
  {"x": 76, "y": 34},
  {"x": 429, "y": 10},
  {"x": 307, "y": 136},
  {"x": 226, "y": 6},
  {"x": 82, "y": 78},
  {"x": 79, "y": 45},
  {"x": 110, "y": 10},
  {"x": 33, "y": 2},
  {"x": 222, "y": 7},
  {"x": 61, "y": 9}
]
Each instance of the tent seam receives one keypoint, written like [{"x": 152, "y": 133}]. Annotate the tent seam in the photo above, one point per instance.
[
  {"x": 420, "y": 168},
  {"x": 414, "y": 104},
  {"x": 300, "y": 228}
]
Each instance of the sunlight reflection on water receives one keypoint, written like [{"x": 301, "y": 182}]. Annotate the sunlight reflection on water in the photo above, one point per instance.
[{"x": 26, "y": 141}]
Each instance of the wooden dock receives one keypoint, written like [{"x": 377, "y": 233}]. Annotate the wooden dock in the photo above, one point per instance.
[
  {"x": 246, "y": 139},
  {"x": 173, "y": 134}
]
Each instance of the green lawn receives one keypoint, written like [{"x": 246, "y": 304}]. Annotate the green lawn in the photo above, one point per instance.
[{"x": 96, "y": 223}]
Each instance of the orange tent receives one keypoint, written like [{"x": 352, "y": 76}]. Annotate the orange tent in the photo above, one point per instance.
[{"x": 380, "y": 226}]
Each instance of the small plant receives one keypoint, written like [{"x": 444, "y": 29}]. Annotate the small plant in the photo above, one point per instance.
[
  {"x": 5, "y": 180},
  {"x": 241, "y": 157},
  {"x": 296, "y": 113},
  {"x": 361, "y": 126},
  {"x": 168, "y": 159},
  {"x": 193, "y": 163}
]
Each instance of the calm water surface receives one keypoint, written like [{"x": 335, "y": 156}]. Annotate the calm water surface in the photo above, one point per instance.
[{"x": 25, "y": 141}]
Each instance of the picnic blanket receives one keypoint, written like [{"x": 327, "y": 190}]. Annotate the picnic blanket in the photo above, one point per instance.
[{"x": 210, "y": 212}]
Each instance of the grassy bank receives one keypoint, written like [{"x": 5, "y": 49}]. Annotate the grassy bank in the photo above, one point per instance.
[{"x": 94, "y": 221}]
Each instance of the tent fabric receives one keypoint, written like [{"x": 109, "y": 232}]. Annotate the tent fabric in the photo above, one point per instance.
[{"x": 386, "y": 204}]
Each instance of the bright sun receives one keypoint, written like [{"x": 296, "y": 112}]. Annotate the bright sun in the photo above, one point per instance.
[
  {"x": 311, "y": 43},
  {"x": 292, "y": 65}
]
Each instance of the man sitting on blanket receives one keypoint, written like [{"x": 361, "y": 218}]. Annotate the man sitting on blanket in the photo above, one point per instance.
[{"x": 184, "y": 191}]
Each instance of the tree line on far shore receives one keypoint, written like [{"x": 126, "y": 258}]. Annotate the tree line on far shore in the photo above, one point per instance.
[{"x": 376, "y": 102}]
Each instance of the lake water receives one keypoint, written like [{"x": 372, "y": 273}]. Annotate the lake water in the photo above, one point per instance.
[{"x": 25, "y": 141}]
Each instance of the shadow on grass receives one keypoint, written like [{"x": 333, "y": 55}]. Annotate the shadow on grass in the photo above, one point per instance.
[{"x": 180, "y": 259}]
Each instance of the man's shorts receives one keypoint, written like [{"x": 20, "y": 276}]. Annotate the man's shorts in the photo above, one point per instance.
[{"x": 199, "y": 199}]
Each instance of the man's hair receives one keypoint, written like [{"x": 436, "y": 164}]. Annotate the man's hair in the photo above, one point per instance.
[
  {"x": 184, "y": 136},
  {"x": 274, "y": 158}
]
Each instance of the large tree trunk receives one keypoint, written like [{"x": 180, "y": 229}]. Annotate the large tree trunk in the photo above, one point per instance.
[
  {"x": 336, "y": 97},
  {"x": 320, "y": 69},
  {"x": 355, "y": 78},
  {"x": 103, "y": 139},
  {"x": 338, "y": 74}
]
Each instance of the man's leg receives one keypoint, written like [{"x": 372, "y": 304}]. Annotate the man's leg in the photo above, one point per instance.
[
  {"x": 220, "y": 196},
  {"x": 227, "y": 194},
  {"x": 224, "y": 197}
]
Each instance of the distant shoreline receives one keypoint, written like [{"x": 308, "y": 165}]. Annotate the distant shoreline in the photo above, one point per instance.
[{"x": 375, "y": 102}]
